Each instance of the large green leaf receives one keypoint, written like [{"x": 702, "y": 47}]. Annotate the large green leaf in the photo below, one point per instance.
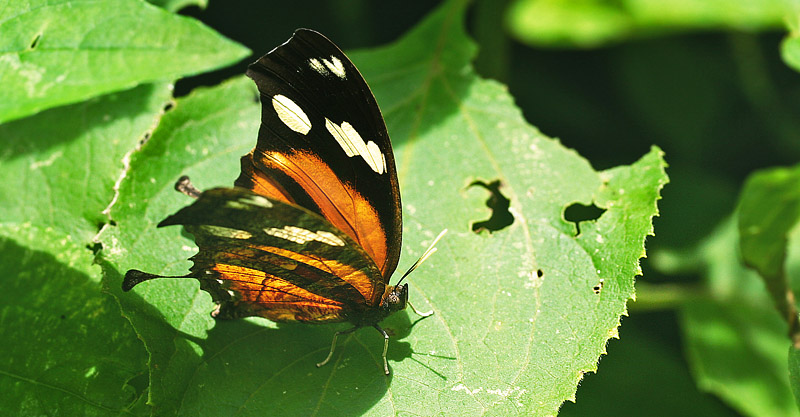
[
  {"x": 735, "y": 341},
  {"x": 59, "y": 167},
  {"x": 68, "y": 351},
  {"x": 769, "y": 230},
  {"x": 520, "y": 314},
  {"x": 59, "y": 52},
  {"x": 596, "y": 22},
  {"x": 203, "y": 136}
]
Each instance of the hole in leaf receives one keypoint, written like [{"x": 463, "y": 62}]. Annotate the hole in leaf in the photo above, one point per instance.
[
  {"x": 35, "y": 41},
  {"x": 539, "y": 273},
  {"x": 139, "y": 383},
  {"x": 144, "y": 138},
  {"x": 578, "y": 213},
  {"x": 501, "y": 217},
  {"x": 599, "y": 287},
  {"x": 95, "y": 247}
]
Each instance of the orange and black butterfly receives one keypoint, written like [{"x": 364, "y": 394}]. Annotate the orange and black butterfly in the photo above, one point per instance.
[{"x": 312, "y": 230}]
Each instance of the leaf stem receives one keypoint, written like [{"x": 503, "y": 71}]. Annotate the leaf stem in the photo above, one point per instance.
[{"x": 654, "y": 297}]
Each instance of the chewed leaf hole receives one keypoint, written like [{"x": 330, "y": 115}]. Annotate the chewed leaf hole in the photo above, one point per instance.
[
  {"x": 599, "y": 286},
  {"x": 95, "y": 247},
  {"x": 577, "y": 213},
  {"x": 501, "y": 217}
]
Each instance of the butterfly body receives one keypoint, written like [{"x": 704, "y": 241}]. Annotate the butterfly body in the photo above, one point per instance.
[{"x": 312, "y": 231}]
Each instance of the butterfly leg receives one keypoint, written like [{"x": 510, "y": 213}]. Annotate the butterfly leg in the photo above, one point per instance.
[
  {"x": 419, "y": 313},
  {"x": 333, "y": 344},
  {"x": 385, "y": 347}
]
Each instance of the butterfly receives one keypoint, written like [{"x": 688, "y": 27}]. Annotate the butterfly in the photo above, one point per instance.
[{"x": 311, "y": 232}]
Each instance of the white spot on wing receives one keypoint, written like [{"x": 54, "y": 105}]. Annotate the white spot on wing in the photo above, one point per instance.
[
  {"x": 256, "y": 200},
  {"x": 300, "y": 236},
  {"x": 249, "y": 203},
  {"x": 317, "y": 66},
  {"x": 336, "y": 67},
  {"x": 327, "y": 66},
  {"x": 353, "y": 144},
  {"x": 291, "y": 114},
  {"x": 222, "y": 231},
  {"x": 236, "y": 205}
]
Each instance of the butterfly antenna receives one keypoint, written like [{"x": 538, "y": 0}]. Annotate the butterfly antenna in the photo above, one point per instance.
[{"x": 428, "y": 252}]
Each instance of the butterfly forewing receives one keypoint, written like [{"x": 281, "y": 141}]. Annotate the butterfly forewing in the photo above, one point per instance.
[
  {"x": 260, "y": 256},
  {"x": 323, "y": 145}
]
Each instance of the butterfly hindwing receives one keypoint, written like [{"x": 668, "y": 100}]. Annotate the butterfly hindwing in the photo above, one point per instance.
[
  {"x": 323, "y": 144},
  {"x": 260, "y": 256}
]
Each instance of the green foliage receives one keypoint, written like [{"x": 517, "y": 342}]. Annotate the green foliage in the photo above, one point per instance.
[
  {"x": 175, "y": 5},
  {"x": 738, "y": 321},
  {"x": 769, "y": 213},
  {"x": 70, "y": 351},
  {"x": 61, "y": 52},
  {"x": 769, "y": 208},
  {"x": 94, "y": 141},
  {"x": 595, "y": 22},
  {"x": 486, "y": 346}
]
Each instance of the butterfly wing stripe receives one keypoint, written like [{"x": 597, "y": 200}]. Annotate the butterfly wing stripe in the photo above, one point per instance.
[
  {"x": 341, "y": 272},
  {"x": 259, "y": 182},
  {"x": 356, "y": 278},
  {"x": 276, "y": 299},
  {"x": 310, "y": 179},
  {"x": 293, "y": 268}
]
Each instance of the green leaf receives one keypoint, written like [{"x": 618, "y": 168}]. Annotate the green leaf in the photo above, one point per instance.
[
  {"x": 59, "y": 167},
  {"x": 769, "y": 207},
  {"x": 591, "y": 23},
  {"x": 790, "y": 47},
  {"x": 204, "y": 136},
  {"x": 794, "y": 373},
  {"x": 175, "y": 5},
  {"x": 736, "y": 343},
  {"x": 68, "y": 349},
  {"x": 520, "y": 314},
  {"x": 59, "y": 52}
]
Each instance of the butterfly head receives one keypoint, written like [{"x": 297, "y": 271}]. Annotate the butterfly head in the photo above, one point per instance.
[{"x": 396, "y": 298}]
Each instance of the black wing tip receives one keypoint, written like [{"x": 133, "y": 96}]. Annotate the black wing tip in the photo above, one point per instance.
[
  {"x": 301, "y": 31},
  {"x": 309, "y": 34},
  {"x": 134, "y": 277}
]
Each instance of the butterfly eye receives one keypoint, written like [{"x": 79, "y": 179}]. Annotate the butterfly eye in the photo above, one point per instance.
[{"x": 397, "y": 298}]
